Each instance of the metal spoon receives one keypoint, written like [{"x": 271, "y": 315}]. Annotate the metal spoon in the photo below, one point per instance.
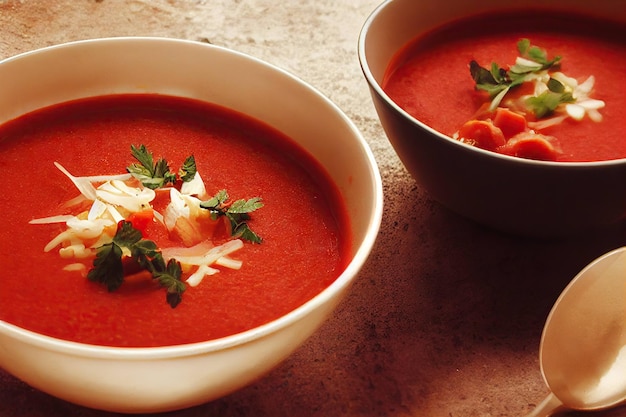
[{"x": 583, "y": 345}]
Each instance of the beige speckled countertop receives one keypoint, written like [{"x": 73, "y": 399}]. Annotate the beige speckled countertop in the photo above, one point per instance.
[{"x": 446, "y": 317}]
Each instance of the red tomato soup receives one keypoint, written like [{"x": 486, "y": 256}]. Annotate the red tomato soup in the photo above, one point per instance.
[
  {"x": 430, "y": 78},
  {"x": 303, "y": 224}
]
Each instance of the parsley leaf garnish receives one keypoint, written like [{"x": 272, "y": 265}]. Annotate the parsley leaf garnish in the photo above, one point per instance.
[
  {"x": 188, "y": 170},
  {"x": 170, "y": 280},
  {"x": 108, "y": 267},
  {"x": 152, "y": 175},
  {"x": 549, "y": 100},
  {"x": 236, "y": 212},
  {"x": 497, "y": 81},
  {"x": 535, "y": 54},
  {"x": 157, "y": 175}
]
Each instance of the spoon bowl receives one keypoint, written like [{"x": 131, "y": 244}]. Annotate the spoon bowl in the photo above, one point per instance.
[{"x": 583, "y": 345}]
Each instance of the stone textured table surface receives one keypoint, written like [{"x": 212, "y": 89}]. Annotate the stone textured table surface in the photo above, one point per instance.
[{"x": 445, "y": 319}]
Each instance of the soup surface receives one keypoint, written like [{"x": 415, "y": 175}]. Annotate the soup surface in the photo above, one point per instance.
[
  {"x": 431, "y": 80},
  {"x": 303, "y": 223}
]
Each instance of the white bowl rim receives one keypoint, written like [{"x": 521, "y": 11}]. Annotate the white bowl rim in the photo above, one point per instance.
[
  {"x": 190, "y": 349},
  {"x": 371, "y": 80}
]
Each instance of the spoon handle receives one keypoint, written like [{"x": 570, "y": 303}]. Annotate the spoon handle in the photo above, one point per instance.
[{"x": 548, "y": 407}]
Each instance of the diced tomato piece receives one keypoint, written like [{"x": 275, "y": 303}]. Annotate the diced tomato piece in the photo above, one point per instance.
[
  {"x": 532, "y": 146},
  {"x": 141, "y": 219},
  {"x": 482, "y": 133},
  {"x": 509, "y": 122}
]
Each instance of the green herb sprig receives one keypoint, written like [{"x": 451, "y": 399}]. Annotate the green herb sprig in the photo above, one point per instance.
[
  {"x": 188, "y": 171},
  {"x": 236, "y": 212},
  {"x": 497, "y": 81},
  {"x": 549, "y": 100},
  {"x": 108, "y": 266},
  {"x": 156, "y": 175},
  {"x": 129, "y": 245}
]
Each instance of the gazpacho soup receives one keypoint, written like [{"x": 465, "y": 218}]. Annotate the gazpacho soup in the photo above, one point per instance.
[
  {"x": 148, "y": 220},
  {"x": 536, "y": 85}
]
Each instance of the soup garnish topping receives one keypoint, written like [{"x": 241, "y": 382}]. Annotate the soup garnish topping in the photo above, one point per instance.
[
  {"x": 497, "y": 81},
  {"x": 155, "y": 175},
  {"x": 108, "y": 267},
  {"x": 531, "y": 95},
  {"x": 114, "y": 213}
]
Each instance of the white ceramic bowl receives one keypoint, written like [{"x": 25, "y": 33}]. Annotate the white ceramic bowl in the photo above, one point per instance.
[
  {"x": 539, "y": 199},
  {"x": 138, "y": 380}
]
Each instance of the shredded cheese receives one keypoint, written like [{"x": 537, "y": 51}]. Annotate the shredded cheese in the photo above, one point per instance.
[
  {"x": 194, "y": 187},
  {"x": 113, "y": 200},
  {"x": 118, "y": 194},
  {"x": 202, "y": 271},
  {"x": 78, "y": 267},
  {"x": 52, "y": 219},
  {"x": 211, "y": 255},
  {"x": 229, "y": 262},
  {"x": 583, "y": 104},
  {"x": 77, "y": 250}
]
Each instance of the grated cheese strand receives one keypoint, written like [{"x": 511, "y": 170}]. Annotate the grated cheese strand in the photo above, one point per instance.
[
  {"x": 212, "y": 255},
  {"x": 217, "y": 255},
  {"x": 63, "y": 218},
  {"x": 196, "y": 278}
]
